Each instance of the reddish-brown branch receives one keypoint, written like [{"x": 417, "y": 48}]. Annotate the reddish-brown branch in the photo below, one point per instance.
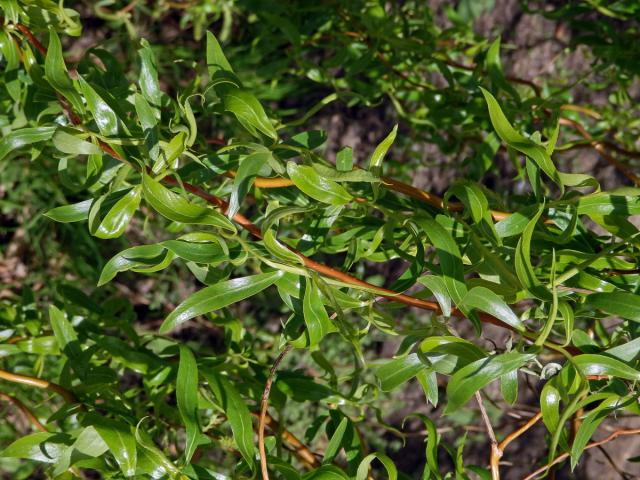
[
  {"x": 32, "y": 39},
  {"x": 264, "y": 406},
  {"x": 516, "y": 433},
  {"x": 292, "y": 443},
  {"x": 564, "y": 456},
  {"x": 68, "y": 396},
  {"x": 496, "y": 453},
  {"x": 26, "y": 413},
  {"x": 325, "y": 269},
  {"x": 601, "y": 149},
  {"x": 633, "y": 271}
]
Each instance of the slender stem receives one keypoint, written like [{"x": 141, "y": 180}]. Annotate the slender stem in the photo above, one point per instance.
[
  {"x": 561, "y": 458},
  {"x": 68, "y": 396},
  {"x": 516, "y": 433},
  {"x": 264, "y": 406},
  {"x": 572, "y": 272},
  {"x": 291, "y": 442},
  {"x": 546, "y": 331},
  {"x": 601, "y": 149},
  {"x": 24, "y": 410},
  {"x": 312, "y": 111},
  {"x": 496, "y": 452}
]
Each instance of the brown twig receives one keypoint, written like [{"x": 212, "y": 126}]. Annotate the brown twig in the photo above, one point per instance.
[
  {"x": 264, "y": 406},
  {"x": 561, "y": 458},
  {"x": 68, "y": 396},
  {"x": 26, "y": 413},
  {"x": 32, "y": 39},
  {"x": 633, "y": 271},
  {"x": 578, "y": 108},
  {"x": 624, "y": 475},
  {"x": 496, "y": 453},
  {"x": 292, "y": 443},
  {"x": 601, "y": 149},
  {"x": 386, "y": 182},
  {"x": 534, "y": 86},
  {"x": 516, "y": 433}
]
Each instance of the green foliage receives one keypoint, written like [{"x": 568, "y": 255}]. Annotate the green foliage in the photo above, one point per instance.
[{"x": 116, "y": 175}]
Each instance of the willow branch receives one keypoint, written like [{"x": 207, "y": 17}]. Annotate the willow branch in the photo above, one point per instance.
[
  {"x": 516, "y": 433},
  {"x": 602, "y": 150},
  {"x": 386, "y": 182},
  {"x": 24, "y": 410},
  {"x": 496, "y": 453},
  {"x": 264, "y": 406},
  {"x": 312, "y": 264},
  {"x": 291, "y": 442},
  {"x": 564, "y": 456},
  {"x": 68, "y": 396}
]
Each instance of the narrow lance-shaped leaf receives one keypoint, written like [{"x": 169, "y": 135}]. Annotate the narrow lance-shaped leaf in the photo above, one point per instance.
[
  {"x": 187, "y": 398},
  {"x": 248, "y": 169},
  {"x": 335, "y": 443},
  {"x": 249, "y": 112},
  {"x": 627, "y": 352},
  {"x": 429, "y": 382},
  {"x": 237, "y": 412},
  {"x": 524, "y": 268},
  {"x": 23, "y": 137},
  {"x": 149, "y": 75},
  {"x": 511, "y": 137},
  {"x": 317, "y": 187},
  {"x": 215, "y": 57},
  {"x": 608, "y": 204},
  {"x": 590, "y": 364},
  {"x": 494, "y": 66},
  {"x": 104, "y": 116},
  {"x": 439, "y": 290},
  {"x": 588, "y": 426},
  {"x": 150, "y": 452},
  {"x": 431, "y": 468},
  {"x": 75, "y": 212},
  {"x": 175, "y": 207},
  {"x": 315, "y": 315},
  {"x": 363, "y": 468},
  {"x": 64, "y": 333},
  {"x": 471, "y": 378},
  {"x": 375, "y": 164},
  {"x": 484, "y": 299},
  {"x": 218, "y": 296},
  {"x": 57, "y": 74},
  {"x": 41, "y": 446},
  {"x": 623, "y": 304},
  {"x": 344, "y": 160},
  {"x": 449, "y": 256},
  {"x": 119, "y": 439},
  {"x": 509, "y": 386},
  {"x": 550, "y": 406},
  {"x": 118, "y": 217},
  {"x": 73, "y": 144},
  {"x": 149, "y": 123},
  {"x": 142, "y": 258},
  {"x": 399, "y": 370}
]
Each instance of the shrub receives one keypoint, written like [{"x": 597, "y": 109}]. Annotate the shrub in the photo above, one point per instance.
[{"x": 209, "y": 186}]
